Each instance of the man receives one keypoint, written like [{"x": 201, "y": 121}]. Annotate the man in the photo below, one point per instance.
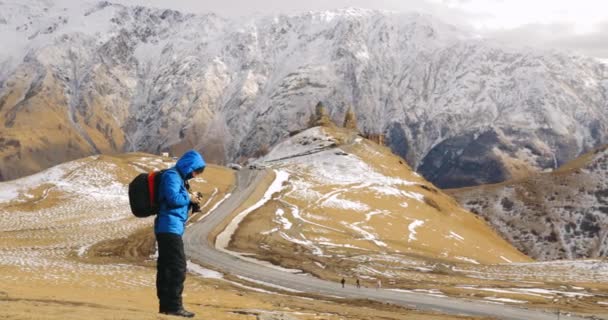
[{"x": 169, "y": 228}]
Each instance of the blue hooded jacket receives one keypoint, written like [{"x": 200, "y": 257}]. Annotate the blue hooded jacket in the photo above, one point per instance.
[{"x": 173, "y": 196}]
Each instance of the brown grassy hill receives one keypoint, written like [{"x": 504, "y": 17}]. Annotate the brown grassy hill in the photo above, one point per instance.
[
  {"x": 352, "y": 207},
  {"x": 340, "y": 206},
  {"x": 40, "y": 127},
  {"x": 557, "y": 215},
  {"x": 71, "y": 249}
]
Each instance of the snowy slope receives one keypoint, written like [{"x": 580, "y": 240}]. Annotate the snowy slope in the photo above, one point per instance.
[
  {"x": 346, "y": 203},
  {"x": 67, "y": 211},
  {"x": 462, "y": 110},
  {"x": 558, "y": 215},
  {"x": 340, "y": 206},
  {"x": 69, "y": 227}
]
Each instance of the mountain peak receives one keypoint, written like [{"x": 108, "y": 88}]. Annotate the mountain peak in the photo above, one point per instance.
[{"x": 136, "y": 78}]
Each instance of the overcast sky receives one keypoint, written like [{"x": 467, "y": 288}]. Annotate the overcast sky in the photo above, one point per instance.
[{"x": 576, "y": 25}]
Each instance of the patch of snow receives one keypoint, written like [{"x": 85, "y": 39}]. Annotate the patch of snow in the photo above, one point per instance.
[
  {"x": 273, "y": 230},
  {"x": 537, "y": 292},
  {"x": 505, "y": 259},
  {"x": 266, "y": 284},
  {"x": 335, "y": 202},
  {"x": 507, "y": 291},
  {"x": 82, "y": 250},
  {"x": 366, "y": 235},
  {"x": 282, "y": 220},
  {"x": 203, "y": 272},
  {"x": 215, "y": 206},
  {"x": 414, "y": 195},
  {"x": 10, "y": 190},
  {"x": 554, "y": 292},
  {"x": 224, "y": 237},
  {"x": 306, "y": 243},
  {"x": 295, "y": 212},
  {"x": 456, "y": 236},
  {"x": 431, "y": 292},
  {"x": 368, "y": 216},
  {"x": 473, "y": 261},
  {"x": 386, "y": 190},
  {"x": 505, "y": 300},
  {"x": 412, "y": 228}
]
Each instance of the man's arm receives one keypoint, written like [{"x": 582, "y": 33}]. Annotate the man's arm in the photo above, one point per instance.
[{"x": 172, "y": 189}]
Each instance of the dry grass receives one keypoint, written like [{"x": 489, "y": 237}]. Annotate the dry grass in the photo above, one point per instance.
[{"x": 46, "y": 274}]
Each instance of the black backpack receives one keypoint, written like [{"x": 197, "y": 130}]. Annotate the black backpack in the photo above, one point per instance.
[{"x": 143, "y": 194}]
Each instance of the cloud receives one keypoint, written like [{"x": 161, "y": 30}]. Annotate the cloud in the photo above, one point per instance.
[{"x": 561, "y": 36}]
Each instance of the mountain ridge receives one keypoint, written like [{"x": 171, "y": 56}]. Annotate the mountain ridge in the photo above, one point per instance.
[{"x": 161, "y": 80}]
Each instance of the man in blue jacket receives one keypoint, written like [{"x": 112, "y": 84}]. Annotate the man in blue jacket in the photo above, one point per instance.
[{"x": 169, "y": 227}]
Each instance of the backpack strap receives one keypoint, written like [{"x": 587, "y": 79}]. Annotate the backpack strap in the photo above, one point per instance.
[{"x": 151, "y": 189}]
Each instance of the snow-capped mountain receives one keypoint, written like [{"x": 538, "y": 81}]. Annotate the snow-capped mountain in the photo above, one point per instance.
[
  {"x": 103, "y": 77},
  {"x": 557, "y": 215}
]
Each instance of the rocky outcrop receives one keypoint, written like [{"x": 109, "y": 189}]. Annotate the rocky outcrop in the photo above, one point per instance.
[{"x": 557, "y": 215}]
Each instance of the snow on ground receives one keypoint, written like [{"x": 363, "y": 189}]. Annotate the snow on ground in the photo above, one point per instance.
[
  {"x": 12, "y": 189},
  {"x": 300, "y": 145},
  {"x": 282, "y": 220},
  {"x": 412, "y": 228},
  {"x": 203, "y": 272},
  {"x": 367, "y": 235},
  {"x": 79, "y": 203},
  {"x": 217, "y": 204},
  {"x": 469, "y": 260},
  {"x": 303, "y": 242},
  {"x": 505, "y": 300},
  {"x": 506, "y": 260},
  {"x": 431, "y": 292},
  {"x": 266, "y": 284},
  {"x": 223, "y": 239},
  {"x": 314, "y": 155},
  {"x": 548, "y": 294},
  {"x": 335, "y": 202},
  {"x": 325, "y": 207}
]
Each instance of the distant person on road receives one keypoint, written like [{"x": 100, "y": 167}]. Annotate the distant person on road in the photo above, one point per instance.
[
  {"x": 358, "y": 283},
  {"x": 379, "y": 284},
  {"x": 343, "y": 282},
  {"x": 169, "y": 225}
]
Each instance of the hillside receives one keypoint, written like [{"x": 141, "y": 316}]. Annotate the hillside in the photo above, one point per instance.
[
  {"x": 350, "y": 199},
  {"x": 106, "y": 78},
  {"x": 72, "y": 250},
  {"x": 345, "y": 207},
  {"x": 556, "y": 215}
]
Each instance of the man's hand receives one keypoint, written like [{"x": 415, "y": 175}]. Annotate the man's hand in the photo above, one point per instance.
[
  {"x": 196, "y": 196},
  {"x": 195, "y": 201}
]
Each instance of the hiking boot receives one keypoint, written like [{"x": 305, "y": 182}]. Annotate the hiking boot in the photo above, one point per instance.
[{"x": 179, "y": 313}]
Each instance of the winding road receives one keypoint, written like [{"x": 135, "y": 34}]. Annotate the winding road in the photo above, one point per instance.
[{"x": 199, "y": 249}]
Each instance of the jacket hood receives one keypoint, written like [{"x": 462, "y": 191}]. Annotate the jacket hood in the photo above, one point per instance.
[{"x": 188, "y": 163}]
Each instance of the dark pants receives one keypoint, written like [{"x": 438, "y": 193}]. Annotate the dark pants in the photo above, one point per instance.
[{"x": 170, "y": 271}]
